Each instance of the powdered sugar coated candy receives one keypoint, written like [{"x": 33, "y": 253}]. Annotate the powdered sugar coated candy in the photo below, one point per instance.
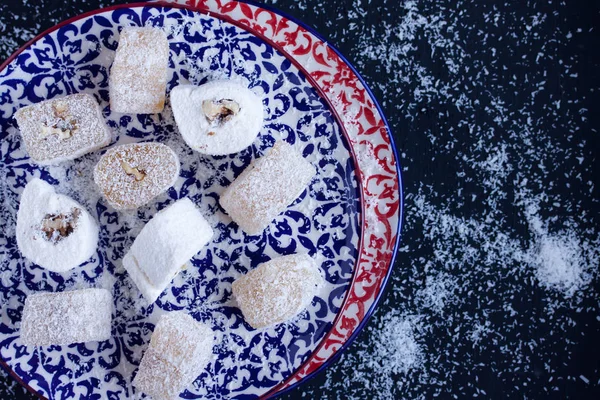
[
  {"x": 267, "y": 187},
  {"x": 277, "y": 290},
  {"x": 131, "y": 175},
  {"x": 62, "y": 129},
  {"x": 217, "y": 118},
  {"x": 165, "y": 244},
  {"x": 179, "y": 349},
  {"x": 68, "y": 317},
  {"x": 138, "y": 76},
  {"x": 53, "y": 230}
]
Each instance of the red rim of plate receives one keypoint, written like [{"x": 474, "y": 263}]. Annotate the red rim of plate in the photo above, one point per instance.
[{"x": 230, "y": 6}]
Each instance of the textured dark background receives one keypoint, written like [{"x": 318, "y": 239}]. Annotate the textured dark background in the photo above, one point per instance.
[{"x": 460, "y": 82}]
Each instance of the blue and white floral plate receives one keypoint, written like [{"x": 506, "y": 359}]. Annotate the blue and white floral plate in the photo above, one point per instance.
[{"x": 348, "y": 218}]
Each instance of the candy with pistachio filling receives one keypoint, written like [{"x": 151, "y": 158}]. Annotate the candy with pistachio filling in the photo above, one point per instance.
[
  {"x": 53, "y": 230},
  {"x": 138, "y": 76},
  {"x": 62, "y": 129},
  {"x": 131, "y": 175},
  {"x": 217, "y": 118}
]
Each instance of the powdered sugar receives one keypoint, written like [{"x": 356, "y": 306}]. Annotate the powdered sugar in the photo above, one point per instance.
[
  {"x": 138, "y": 76},
  {"x": 563, "y": 261},
  {"x": 277, "y": 290},
  {"x": 68, "y": 317},
  {"x": 54, "y": 231},
  {"x": 217, "y": 138},
  {"x": 179, "y": 349},
  {"x": 167, "y": 242},
  {"x": 267, "y": 187},
  {"x": 62, "y": 129},
  {"x": 131, "y": 175}
]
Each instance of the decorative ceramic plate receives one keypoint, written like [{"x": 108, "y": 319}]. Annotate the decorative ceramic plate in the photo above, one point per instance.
[{"x": 348, "y": 218}]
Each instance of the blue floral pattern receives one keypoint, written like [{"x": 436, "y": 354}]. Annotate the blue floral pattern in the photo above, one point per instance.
[{"x": 323, "y": 222}]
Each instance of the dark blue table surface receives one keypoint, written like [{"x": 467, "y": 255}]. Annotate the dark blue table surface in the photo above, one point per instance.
[{"x": 494, "y": 109}]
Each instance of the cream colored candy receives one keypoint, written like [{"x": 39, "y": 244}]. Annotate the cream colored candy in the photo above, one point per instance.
[
  {"x": 62, "y": 129},
  {"x": 179, "y": 349},
  {"x": 167, "y": 242},
  {"x": 64, "y": 318},
  {"x": 266, "y": 188},
  {"x": 217, "y": 118},
  {"x": 277, "y": 290},
  {"x": 131, "y": 175},
  {"x": 53, "y": 230},
  {"x": 138, "y": 76}
]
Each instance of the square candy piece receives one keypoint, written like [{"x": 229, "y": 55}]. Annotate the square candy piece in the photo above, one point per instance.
[
  {"x": 62, "y": 129},
  {"x": 266, "y": 188},
  {"x": 138, "y": 76},
  {"x": 167, "y": 242},
  {"x": 277, "y": 290},
  {"x": 64, "y": 318},
  {"x": 179, "y": 349}
]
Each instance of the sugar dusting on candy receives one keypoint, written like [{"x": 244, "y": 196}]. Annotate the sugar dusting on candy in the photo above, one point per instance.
[
  {"x": 179, "y": 350},
  {"x": 167, "y": 241},
  {"x": 131, "y": 175},
  {"x": 266, "y": 187},
  {"x": 80, "y": 117},
  {"x": 138, "y": 75},
  {"x": 66, "y": 317},
  {"x": 277, "y": 290},
  {"x": 213, "y": 137},
  {"x": 38, "y": 205}
]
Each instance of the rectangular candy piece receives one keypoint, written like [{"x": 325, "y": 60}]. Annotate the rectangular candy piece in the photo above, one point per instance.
[
  {"x": 277, "y": 290},
  {"x": 138, "y": 76},
  {"x": 165, "y": 244},
  {"x": 179, "y": 349},
  {"x": 62, "y": 129},
  {"x": 63, "y": 318},
  {"x": 266, "y": 188}
]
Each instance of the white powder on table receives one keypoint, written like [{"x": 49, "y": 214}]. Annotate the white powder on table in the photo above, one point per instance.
[{"x": 563, "y": 261}]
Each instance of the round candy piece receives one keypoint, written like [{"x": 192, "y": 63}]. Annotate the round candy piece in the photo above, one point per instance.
[
  {"x": 53, "y": 230},
  {"x": 277, "y": 290},
  {"x": 131, "y": 175},
  {"x": 217, "y": 118},
  {"x": 64, "y": 318}
]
